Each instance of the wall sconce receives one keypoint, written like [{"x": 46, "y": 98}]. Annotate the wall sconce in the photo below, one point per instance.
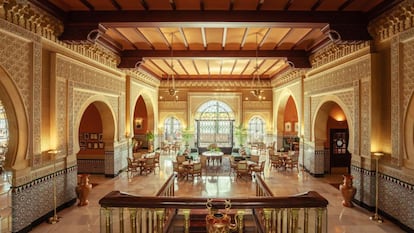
[{"x": 138, "y": 123}]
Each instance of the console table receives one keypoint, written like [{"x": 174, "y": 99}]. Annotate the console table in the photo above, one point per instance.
[{"x": 213, "y": 156}]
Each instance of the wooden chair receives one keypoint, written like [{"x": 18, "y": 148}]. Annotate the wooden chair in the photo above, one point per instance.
[
  {"x": 179, "y": 170},
  {"x": 293, "y": 161},
  {"x": 259, "y": 168},
  {"x": 196, "y": 170},
  {"x": 242, "y": 169},
  {"x": 180, "y": 159},
  {"x": 149, "y": 165},
  {"x": 132, "y": 167},
  {"x": 233, "y": 165},
  {"x": 275, "y": 161},
  {"x": 255, "y": 158},
  {"x": 157, "y": 160}
]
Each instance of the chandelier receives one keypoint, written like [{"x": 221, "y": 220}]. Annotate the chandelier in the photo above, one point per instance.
[
  {"x": 256, "y": 82},
  {"x": 170, "y": 78}
]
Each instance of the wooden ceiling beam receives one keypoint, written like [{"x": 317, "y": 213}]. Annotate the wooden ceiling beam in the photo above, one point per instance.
[
  {"x": 79, "y": 24},
  {"x": 298, "y": 57},
  {"x": 88, "y": 5}
]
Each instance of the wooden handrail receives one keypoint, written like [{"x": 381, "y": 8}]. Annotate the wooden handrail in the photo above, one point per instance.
[
  {"x": 166, "y": 186},
  {"x": 118, "y": 199},
  {"x": 261, "y": 185}
]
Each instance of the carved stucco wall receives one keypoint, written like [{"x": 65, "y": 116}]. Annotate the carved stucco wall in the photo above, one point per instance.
[
  {"x": 84, "y": 85},
  {"x": 402, "y": 86}
]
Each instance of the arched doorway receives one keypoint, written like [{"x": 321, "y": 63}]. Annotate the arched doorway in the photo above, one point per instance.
[
  {"x": 332, "y": 134},
  {"x": 96, "y": 137},
  {"x": 287, "y": 124}
]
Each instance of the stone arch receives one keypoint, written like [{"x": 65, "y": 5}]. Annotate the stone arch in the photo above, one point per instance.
[
  {"x": 280, "y": 109},
  {"x": 409, "y": 135},
  {"x": 149, "y": 103},
  {"x": 321, "y": 116},
  {"x": 109, "y": 127},
  {"x": 17, "y": 121}
]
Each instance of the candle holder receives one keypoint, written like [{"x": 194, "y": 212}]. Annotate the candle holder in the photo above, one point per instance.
[{"x": 376, "y": 217}]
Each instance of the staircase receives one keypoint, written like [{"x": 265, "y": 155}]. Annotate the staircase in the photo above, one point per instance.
[{"x": 198, "y": 222}]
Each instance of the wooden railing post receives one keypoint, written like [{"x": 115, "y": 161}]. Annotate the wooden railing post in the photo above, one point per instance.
[
  {"x": 240, "y": 220},
  {"x": 267, "y": 218},
  {"x": 186, "y": 213},
  {"x": 133, "y": 219},
  {"x": 160, "y": 218},
  {"x": 107, "y": 219},
  {"x": 121, "y": 220}
]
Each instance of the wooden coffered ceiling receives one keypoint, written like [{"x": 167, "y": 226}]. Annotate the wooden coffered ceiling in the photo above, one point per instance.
[{"x": 222, "y": 39}]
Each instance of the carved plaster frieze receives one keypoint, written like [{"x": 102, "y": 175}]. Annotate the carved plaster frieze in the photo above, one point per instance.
[
  {"x": 287, "y": 77},
  {"x": 393, "y": 22},
  {"x": 338, "y": 53},
  {"x": 219, "y": 84},
  {"x": 142, "y": 76},
  {"x": 31, "y": 18},
  {"x": 257, "y": 105}
]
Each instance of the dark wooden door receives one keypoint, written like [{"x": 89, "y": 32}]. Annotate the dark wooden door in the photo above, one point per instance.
[{"x": 340, "y": 157}]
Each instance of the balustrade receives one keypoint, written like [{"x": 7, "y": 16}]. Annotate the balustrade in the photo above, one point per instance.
[{"x": 122, "y": 212}]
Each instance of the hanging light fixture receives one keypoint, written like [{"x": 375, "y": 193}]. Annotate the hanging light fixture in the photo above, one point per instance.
[
  {"x": 170, "y": 78},
  {"x": 256, "y": 82}
]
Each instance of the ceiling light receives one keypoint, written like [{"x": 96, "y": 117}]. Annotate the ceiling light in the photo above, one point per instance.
[
  {"x": 170, "y": 78},
  {"x": 256, "y": 82}
]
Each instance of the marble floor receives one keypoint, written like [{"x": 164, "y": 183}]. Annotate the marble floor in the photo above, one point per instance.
[{"x": 218, "y": 183}]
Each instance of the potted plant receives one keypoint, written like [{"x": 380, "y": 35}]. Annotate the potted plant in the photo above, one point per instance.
[
  {"x": 187, "y": 134},
  {"x": 150, "y": 139},
  {"x": 241, "y": 134}
]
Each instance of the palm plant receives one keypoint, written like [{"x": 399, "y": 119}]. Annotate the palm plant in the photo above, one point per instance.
[{"x": 241, "y": 134}]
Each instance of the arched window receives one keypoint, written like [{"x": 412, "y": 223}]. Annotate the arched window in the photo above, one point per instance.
[
  {"x": 172, "y": 129},
  {"x": 214, "y": 124},
  {"x": 256, "y": 130},
  {"x": 4, "y": 133}
]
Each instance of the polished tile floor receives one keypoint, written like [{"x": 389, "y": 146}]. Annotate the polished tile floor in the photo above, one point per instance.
[{"x": 217, "y": 182}]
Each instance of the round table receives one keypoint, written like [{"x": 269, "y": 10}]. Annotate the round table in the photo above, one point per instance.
[{"x": 213, "y": 156}]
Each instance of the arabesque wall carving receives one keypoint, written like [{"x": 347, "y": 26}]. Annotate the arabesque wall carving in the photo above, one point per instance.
[
  {"x": 402, "y": 71},
  {"x": 395, "y": 21}
]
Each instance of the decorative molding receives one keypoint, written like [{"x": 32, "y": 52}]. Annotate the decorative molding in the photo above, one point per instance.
[
  {"x": 394, "y": 21},
  {"x": 219, "y": 84},
  {"x": 337, "y": 53},
  {"x": 142, "y": 76},
  {"x": 289, "y": 76}
]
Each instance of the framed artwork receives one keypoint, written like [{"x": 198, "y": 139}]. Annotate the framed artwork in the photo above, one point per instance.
[
  {"x": 90, "y": 145},
  {"x": 101, "y": 145},
  {"x": 288, "y": 126},
  {"x": 94, "y": 136},
  {"x": 86, "y": 136},
  {"x": 95, "y": 145},
  {"x": 296, "y": 126},
  {"x": 138, "y": 123},
  {"x": 100, "y": 137}
]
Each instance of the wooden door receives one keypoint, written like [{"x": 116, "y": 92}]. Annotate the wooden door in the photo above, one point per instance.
[{"x": 340, "y": 157}]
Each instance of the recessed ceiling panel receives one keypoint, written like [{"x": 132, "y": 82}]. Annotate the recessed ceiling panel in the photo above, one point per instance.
[
  {"x": 194, "y": 38},
  {"x": 70, "y": 5},
  {"x": 245, "y": 4},
  {"x": 119, "y": 38},
  {"x": 214, "y": 38},
  {"x": 233, "y": 38},
  {"x": 101, "y": 5},
  {"x": 294, "y": 36},
  {"x": 216, "y": 4},
  {"x": 202, "y": 66},
  {"x": 134, "y": 37},
  {"x": 154, "y": 36},
  {"x": 130, "y": 5},
  {"x": 158, "y": 4}
]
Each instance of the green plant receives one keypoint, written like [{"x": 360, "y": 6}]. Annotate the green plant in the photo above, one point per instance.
[
  {"x": 149, "y": 136},
  {"x": 187, "y": 134},
  {"x": 241, "y": 134}
]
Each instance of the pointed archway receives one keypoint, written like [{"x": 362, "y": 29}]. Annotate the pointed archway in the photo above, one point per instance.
[
  {"x": 331, "y": 132},
  {"x": 96, "y": 134}
]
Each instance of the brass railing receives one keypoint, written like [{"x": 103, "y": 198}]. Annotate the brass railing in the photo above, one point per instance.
[{"x": 121, "y": 212}]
